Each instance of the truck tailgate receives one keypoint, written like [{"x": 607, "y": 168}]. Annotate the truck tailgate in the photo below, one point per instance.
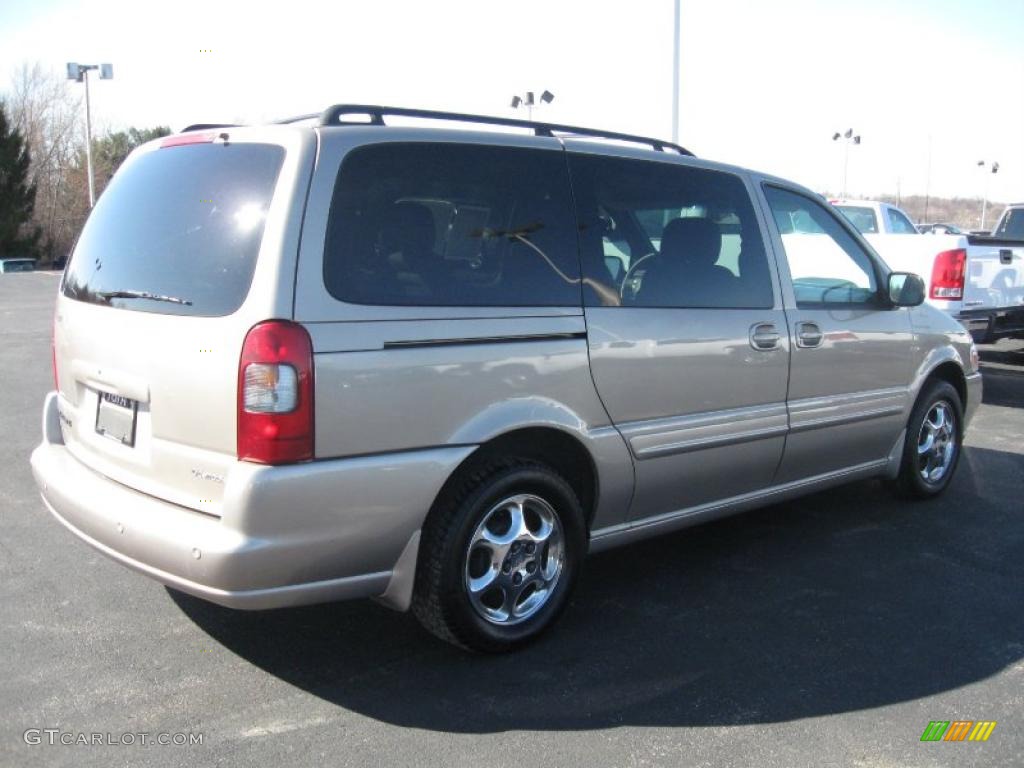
[{"x": 994, "y": 277}]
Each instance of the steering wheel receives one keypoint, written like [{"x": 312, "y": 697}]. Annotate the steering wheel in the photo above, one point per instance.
[{"x": 627, "y": 280}]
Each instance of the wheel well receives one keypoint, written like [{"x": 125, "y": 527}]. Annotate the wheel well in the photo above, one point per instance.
[
  {"x": 562, "y": 452},
  {"x": 950, "y": 372}
]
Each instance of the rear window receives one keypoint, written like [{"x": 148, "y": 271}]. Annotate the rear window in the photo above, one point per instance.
[
  {"x": 452, "y": 225},
  {"x": 1012, "y": 225},
  {"x": 177, "y": 231},
  {"x": 862, "y": 218},
  {"x": 900, "y": 224}
]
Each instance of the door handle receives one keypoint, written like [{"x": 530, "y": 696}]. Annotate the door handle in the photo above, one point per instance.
[
  {"x": 764, "y": 336},
  {"x": 808, "y": 335}
]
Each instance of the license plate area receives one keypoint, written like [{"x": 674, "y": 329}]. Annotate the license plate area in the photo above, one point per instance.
[{"x": 115, "y": 418}]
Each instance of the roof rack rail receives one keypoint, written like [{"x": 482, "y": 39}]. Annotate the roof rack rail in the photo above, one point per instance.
[
  {"x": 332, "y": 117},
  {"x": 208, "y": 126},
  {"x": 298, "y": 118}
]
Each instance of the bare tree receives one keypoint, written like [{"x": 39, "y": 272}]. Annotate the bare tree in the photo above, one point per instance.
[{"x": 48, "y": 114}]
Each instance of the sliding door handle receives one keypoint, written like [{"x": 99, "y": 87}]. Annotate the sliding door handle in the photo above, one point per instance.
[
  {"x": 764, "y": 336},
  {"x": 808, "y": 335}
]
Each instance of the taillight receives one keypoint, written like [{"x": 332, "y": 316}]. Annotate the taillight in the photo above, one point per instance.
[
  {"x": 275, "y": 394},
  {"x": 53, "y": 354},
  {"x": 948, "y": 274}
]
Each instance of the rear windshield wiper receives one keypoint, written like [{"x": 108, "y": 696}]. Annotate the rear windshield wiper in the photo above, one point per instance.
[{"x": 142, "y": 295}]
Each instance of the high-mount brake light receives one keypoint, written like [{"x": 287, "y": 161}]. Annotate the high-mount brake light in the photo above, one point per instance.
[{"x": 196, "y": 137}]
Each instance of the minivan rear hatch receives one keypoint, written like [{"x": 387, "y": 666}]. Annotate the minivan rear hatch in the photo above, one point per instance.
[{"x": 191, "y": 244}]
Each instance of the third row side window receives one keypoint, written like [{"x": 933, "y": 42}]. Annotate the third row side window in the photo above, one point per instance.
[{"x": 426, "y": 224}]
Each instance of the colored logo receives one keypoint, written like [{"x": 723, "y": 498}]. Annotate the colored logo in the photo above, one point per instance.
[{"x": 958, "y": 730}]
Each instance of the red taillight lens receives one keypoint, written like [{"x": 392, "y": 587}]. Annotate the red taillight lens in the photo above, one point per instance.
[
  {"x": 948, "y": 275},
  {"x": 275, "y": 394}
]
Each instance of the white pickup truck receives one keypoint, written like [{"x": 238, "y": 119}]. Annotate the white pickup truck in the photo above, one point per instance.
[{"x": 978, "y": 279}]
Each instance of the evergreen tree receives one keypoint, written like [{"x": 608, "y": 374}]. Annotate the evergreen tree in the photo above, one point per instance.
[
  {"x": 18, "y": 237},
  {"x": 109, "y": 151}
]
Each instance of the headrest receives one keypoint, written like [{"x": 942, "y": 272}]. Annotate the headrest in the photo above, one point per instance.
[
  {"x": 695, "y": 241},
  {"x": 410, "y": 227}
]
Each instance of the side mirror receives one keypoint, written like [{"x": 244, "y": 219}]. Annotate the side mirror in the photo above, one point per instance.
[{"x": 906, "y": 289}]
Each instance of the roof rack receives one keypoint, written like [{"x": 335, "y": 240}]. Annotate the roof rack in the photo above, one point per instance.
[
  {"x": 332, "y": 117},
  {"x": 298, "y": 118}
]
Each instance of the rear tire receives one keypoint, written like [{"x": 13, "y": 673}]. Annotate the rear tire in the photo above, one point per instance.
[
  {"x": 931, "y": 450},
  {"x": 499, "y": 556}
]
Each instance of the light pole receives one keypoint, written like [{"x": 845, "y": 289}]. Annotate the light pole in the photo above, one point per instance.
[
  {"x": 80, "y": 74},
  {"x": 527, "y": 101},
  {"x": 850, "y": 139},
  {"x": 993, "y": 168},
  {"x": 928, "y": 179},
  {"x": 675, "y": 75}
]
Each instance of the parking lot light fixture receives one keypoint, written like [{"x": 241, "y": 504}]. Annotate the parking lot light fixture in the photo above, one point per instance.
[
  {"x": 851, "y": 138},
  {"x": 80, "y": 74},
  {"x": 993, "y": 168},
  {"x": 527, "y": 100}
]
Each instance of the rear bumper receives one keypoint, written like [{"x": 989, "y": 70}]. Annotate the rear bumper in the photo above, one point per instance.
[
  {"x": 292, "y": 535},
  {"x": 988, "y": 325}
]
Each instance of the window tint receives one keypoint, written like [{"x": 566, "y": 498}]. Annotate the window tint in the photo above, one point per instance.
[
  {"x": 686, "y": 237},
  {"x": 862, "y": 218},
  {"x": 452, "y": 225},
  {"x": 826, "y": 264},
  {"x": 181, "y": 225},
  {"x": 1012, "y": 225},
  {"x": 17, "y": 265},
  {"x": 899, "y": 223}
]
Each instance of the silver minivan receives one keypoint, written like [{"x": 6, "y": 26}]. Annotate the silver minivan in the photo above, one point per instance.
[{"x": 337, "y": 358}]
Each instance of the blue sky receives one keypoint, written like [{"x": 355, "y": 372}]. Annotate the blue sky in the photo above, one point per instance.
[{"x": 764, "y": 84}]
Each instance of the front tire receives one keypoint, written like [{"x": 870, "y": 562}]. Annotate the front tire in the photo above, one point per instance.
[
  {"x": 931, "y": 450},
  {"x": 499, "y": 556}
]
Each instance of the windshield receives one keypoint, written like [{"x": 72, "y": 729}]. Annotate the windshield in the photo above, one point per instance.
[
  {"x": 863, "y": 219},
  {"x": 177, "y": 231},
  {"x": 17, "y": 265}
]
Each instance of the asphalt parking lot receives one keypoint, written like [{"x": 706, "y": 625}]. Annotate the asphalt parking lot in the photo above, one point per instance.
[{"x": 826, "y": 631}]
